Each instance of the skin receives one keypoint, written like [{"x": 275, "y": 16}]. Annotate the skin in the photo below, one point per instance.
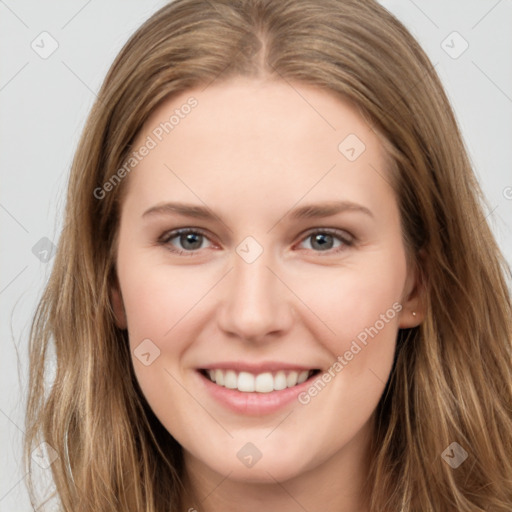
[{"x": 251, "y": 151}]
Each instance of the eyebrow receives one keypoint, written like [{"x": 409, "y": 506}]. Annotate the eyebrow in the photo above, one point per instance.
[{"x": 310, "y": 211}]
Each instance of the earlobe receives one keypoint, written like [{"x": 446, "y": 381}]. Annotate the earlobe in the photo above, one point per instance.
[
  {"x": 413, "y": 312},
  {"x": 410, "y": 318},
  {"x": 117, "y": 306}
]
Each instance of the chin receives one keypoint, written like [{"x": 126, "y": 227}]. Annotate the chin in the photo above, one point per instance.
[{"x": 274, "y": 467}]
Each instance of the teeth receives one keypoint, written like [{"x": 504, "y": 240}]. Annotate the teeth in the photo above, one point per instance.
[
  {"x": 219, "y": 377},
  {"x": 230, "y": 379},
  {"x": 245, "y": 382},
  {"x": 280, "y": 381},
  {"x": 303, "y": 376},
  {"x": 291, "y": 380},
  {"x": 262, "y": 383}
]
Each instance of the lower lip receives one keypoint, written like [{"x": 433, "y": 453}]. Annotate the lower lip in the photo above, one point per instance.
[{"x": 254, "y": 404}]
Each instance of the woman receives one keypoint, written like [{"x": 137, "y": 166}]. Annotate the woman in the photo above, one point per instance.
[{"x": 338, "y": 334}]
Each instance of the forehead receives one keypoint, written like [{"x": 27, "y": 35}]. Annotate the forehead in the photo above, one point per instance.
[{"x": 238, "y": 139}]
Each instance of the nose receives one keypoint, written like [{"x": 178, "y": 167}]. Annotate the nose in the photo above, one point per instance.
[{"x": 255, "y": 304}]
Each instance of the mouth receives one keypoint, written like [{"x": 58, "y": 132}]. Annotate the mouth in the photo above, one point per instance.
[{"x": 264, "y": 382}]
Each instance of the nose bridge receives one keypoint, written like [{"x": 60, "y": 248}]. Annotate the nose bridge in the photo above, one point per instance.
[
  {"x": 252, "y": 281},
  {"x": 253, "y": 304}
]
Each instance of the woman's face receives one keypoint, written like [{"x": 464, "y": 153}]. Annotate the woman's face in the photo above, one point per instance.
[{"x": 292, "y": 263}]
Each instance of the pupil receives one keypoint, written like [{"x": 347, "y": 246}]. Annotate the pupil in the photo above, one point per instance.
[
  {"x": 191, "y": 238},
  {"x": 322, "y": 240}
]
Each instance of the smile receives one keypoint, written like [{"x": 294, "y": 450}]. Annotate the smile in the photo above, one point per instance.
[{"x": 265, "y": 382}]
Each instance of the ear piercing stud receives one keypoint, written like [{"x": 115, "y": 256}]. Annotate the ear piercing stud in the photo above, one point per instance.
[{"x": 414, "y": 313}]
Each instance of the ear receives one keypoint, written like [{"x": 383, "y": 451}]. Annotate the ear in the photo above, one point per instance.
[
  {"x": 413, "y": 302},
  {"x": 116, "y": 300}
]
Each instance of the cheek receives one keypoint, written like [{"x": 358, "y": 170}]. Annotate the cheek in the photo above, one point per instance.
[
  {"x": 362, "y": 307},
  {"x": 358, "y": 302},
  {"x": 157, "y": 298},
  {"x": 166, "y": 308},
  {"x": 160, "y": 303},
  {"x": 349, "y": 301}
]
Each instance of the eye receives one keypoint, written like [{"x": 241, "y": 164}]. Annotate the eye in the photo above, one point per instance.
[
  {"x": 184, "y": 241},
  {"x": 187, "y": 241},
  {"x": 325, "y": 240}
]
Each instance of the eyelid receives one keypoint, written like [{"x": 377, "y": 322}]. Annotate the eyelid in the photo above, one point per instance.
[
  {"x": 345, "y": 237},
  {"x": 166, "y": 237},
  {"x": 342, "y": 234}
]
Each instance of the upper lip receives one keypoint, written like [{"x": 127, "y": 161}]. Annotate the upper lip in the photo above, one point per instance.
[{"x": 256, "y": 368}]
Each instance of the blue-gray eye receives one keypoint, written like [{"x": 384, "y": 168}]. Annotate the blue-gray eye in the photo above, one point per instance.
[
  {"x": 189, "y": 240},
  {"x": 322, "y": 240}
]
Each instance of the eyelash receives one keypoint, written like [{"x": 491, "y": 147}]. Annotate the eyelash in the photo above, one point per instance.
[{"x": 165, "y": 239}]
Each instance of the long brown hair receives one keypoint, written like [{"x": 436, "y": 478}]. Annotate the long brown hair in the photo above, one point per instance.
[{"x": 452, "y": 377}]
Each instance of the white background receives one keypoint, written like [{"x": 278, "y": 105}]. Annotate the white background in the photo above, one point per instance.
[{"x": 44, "y": 103}]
